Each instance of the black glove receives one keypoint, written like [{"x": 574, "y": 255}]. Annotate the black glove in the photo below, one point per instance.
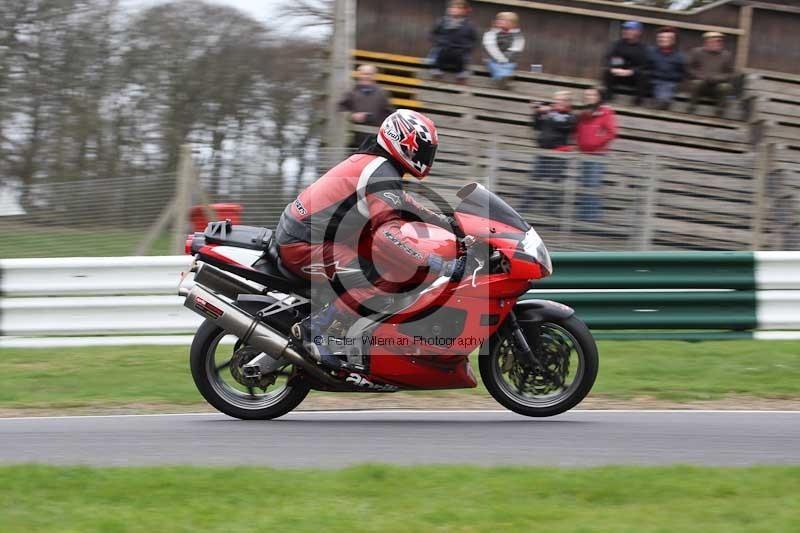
[
  {"x": 455, "y": 268},
  {"x": 453, "y": 225}
]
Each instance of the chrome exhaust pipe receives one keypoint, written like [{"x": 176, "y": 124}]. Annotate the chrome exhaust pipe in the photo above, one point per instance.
[{"x": 250, "y": 330}]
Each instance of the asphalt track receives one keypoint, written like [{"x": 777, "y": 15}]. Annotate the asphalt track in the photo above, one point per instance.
[{"x": 336, "y": 438}]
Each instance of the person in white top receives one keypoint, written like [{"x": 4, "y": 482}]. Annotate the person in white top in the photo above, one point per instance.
[{"x": 502, "y": 46}]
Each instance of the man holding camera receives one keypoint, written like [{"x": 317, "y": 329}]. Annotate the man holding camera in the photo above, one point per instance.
[
  {"x": 626, "y": 63},
  {"x": 554, "y": 124}
]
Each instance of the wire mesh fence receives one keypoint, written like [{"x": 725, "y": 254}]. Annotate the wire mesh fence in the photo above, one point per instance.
[{"x": 614, "y": 202}]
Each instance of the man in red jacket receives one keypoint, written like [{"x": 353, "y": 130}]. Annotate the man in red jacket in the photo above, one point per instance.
[
  {"x": 349, "y": 221},
  {"x": 596, "y": 129}
]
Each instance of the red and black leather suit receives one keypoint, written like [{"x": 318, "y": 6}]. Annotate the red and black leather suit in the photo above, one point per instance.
[{"x": 350, "y": 219}]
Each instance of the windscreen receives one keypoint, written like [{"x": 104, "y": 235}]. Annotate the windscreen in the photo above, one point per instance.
[{"x": 477, "y": 200}]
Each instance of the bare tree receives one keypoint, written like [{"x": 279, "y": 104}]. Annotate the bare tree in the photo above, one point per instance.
[
  {"x": 295, "y": 82},
  {"x": 87, "y": 92},
  {"x": 191, "y": 65},
  {"x": 53, "y": 73},
  {"x": 312, "y": 12}
]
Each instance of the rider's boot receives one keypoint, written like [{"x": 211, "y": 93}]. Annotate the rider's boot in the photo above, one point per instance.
[{"x": 313, "y": 332}]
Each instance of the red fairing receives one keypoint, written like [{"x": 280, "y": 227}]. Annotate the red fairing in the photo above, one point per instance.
[
  {"x": 431, "y": 239},
  {"x": 525, "y": 267},
  {"x": 431, "y": 372},
  {"x": 424, "y": 239},
  {"x": 431, "y": 351}
]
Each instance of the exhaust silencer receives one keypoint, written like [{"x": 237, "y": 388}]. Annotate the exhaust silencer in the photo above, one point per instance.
[{"x": 250, "y": 330}]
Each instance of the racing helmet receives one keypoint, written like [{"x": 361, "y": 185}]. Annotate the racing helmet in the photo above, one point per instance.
[{"x": 411, "y": 138}]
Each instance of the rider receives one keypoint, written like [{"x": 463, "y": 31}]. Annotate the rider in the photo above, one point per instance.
[{"x": 362, "y": 201}]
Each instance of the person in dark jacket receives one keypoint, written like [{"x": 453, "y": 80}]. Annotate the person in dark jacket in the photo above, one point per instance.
[
  {"x": 554, "y": 125},
  {"x": 667, "y": 67},
  {"x": 626, "y": 63},
  {"x": 368, "y": 104},
  {"x": 454, "y": 38}
]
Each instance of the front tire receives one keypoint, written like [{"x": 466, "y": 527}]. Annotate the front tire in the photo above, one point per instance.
[
  {"x": 567, "y": 350},
  {"x": 236, "y": 401}
]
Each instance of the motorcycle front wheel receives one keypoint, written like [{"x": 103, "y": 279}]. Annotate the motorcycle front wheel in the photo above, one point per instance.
[
  {"x": 216, "y": 359},
  {"x": 567, "y": 368}
]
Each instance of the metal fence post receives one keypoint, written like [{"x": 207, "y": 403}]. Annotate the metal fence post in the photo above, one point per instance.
[
  {"x": 491, "y": 164},
  {"x": 568, "y": 201},
  {"x": 183, "y": 198},
  {"x": 177, "y": 209},
  {"x": 651, "y": 192},
  {"x": 763, "y": 168}
]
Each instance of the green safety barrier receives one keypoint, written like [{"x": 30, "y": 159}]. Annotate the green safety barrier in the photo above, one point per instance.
[
  {"x": 654, "y": 294},
  {"x": 652, "y": 270},
  {"x": 732, "y": 310}
]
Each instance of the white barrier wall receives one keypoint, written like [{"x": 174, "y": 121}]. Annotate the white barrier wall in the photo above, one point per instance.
[
  {"x": 76, "y": 276},
  {"x": 92, "y": 315},
  {"x": 135, "y": 295},
  {"x": 777, "y": 270}
]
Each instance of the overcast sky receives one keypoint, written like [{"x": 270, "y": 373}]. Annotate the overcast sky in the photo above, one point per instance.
[{"x": 260, "y": 9}]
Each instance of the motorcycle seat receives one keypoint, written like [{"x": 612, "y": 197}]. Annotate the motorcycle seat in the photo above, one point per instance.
[
  {"x": 280, "y": 277},
  {"x": 268, "y": 270}
]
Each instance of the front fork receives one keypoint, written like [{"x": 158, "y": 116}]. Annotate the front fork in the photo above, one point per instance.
[{"x": 518, "y": 337}]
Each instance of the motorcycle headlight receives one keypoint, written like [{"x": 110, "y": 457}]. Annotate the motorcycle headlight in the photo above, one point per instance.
[{"x": 534, "y": 246}]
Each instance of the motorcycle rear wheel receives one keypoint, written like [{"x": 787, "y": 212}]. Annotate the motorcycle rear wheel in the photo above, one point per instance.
[
  {"x": 559, "y": 338},
  {"x": 225, "y": 395}
]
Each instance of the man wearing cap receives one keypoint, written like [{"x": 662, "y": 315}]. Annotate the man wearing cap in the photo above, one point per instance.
[
  {"x": 626, "y": 63},
  {"x": 711, "y": 70}
]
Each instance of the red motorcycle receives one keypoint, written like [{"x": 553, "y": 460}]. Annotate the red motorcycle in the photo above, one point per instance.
[{"x": 535, "y": 357}]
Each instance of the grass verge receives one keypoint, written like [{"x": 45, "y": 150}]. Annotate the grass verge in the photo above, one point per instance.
[
  {"x": 33, "y": 241},
  {"x": 383, "y": 498},
  {"x": 667, "y": 370}
]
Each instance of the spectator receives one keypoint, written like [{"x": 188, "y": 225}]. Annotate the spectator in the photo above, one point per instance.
[
  {"x": 502, "y": 45},
  {"x": 454, "y": 38},
  {"x": 554, "y": 124},
  {"x": 667, "y": 67},
  {"x": 596, "y": 129},
  {"x": 712, "y": 71},
  {"x": 626, "y": 63},
  {"x": 368, "y": 104}
]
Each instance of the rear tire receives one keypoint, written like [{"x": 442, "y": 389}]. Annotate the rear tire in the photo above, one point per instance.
[
  {"x": 203, "y": 348},
  {"x": 587, "y": 373}
]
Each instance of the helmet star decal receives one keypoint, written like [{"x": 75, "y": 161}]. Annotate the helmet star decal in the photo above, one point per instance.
[{"x": 410, "y": 142}]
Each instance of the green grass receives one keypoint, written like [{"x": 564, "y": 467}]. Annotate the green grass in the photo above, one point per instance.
[
  {"x": 682, "y": 371},
  {"x": 382, "y": 498},
  {"x": 75, "y": 377},
  {"x": 34, "y": 241},
  {"x": 669, "y": 370}
]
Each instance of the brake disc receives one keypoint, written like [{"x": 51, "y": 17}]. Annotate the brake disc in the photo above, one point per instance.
[
  {"x": 241, "y": 357},
  {"x": 553, "y": 354}
]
